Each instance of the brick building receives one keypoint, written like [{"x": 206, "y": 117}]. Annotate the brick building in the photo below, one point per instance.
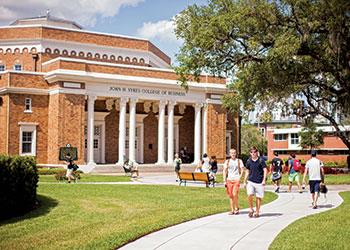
[
  {"x": 108, "y": 95},
  {"x": 286, "y": 141}
]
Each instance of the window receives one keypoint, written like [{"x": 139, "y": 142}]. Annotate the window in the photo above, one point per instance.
[
  {"x": 2, "y": 67},
  {"x": 28, "y": 105},
  {"x": 17, "y": 67},
  {"x": 27, "y": 139},
  {"x": 294, "y": 138},
  {"x": 280, "y": 137},
  {"x": 27, "y": 142}
]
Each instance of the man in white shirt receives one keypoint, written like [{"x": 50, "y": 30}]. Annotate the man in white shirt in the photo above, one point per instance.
[{"x": 316, "y": 173}]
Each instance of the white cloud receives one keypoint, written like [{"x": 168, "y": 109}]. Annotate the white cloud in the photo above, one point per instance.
[
  {"x": 84, "y": 12},
  {"x": 162, "y": 30}
]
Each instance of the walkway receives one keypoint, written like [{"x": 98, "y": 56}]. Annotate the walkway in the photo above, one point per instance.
[{"x": 223, "y": 231}]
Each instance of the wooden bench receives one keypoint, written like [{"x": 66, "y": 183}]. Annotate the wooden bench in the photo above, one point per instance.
[{"x": 196, "y": 176}]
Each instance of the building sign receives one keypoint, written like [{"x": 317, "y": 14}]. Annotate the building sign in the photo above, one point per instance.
[{"x": 153, "y": 92}]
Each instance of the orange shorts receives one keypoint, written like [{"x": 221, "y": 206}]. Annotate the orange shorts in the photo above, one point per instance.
[{"x": 232, "y": 186}]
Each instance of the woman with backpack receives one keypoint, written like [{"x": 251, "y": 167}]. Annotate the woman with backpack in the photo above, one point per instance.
[
  {"x": 294, "y": 167},
  {"x": 232, "y": 174}
]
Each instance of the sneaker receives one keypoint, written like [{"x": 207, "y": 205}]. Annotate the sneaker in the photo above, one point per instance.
[{"x": 277, "y": 190}]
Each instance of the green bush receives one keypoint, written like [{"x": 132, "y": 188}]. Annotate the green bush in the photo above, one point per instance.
[{"x": 18, "y": 183}]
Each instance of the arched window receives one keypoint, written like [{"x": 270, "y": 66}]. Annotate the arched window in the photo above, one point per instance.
[
  {"x": 73, "y": 53},
  {"x": 127, "y": 59},
  {"x": 105, "y": 57},
  {"x": 65, "y": 52},
  {"x": 89, "y": 54},
  {"x": 97, "y": 55},
  {"x": 33, "y": 50},
  {"x": 112, "y": 57},
  {"x": 120, "y": 58},
  {"x": 8, "y": 50},
  {"x": 134, "y": 60},
  {"x": 16, "y": 50},
  {"x": 56, "y": 51},
  {"x": 142, "y": 61},
  {"x": 48, "y": 50},
  {"x": 25, "y": 50}
]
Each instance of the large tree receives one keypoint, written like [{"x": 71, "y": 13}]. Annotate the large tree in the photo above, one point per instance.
[{"x": 294, "y": 52}]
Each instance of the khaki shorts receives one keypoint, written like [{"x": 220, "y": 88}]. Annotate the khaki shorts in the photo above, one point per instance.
[{"x": 255, "y": 189}]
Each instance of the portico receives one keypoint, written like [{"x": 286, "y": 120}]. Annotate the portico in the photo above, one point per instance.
[{"x": 131, "y": 112}]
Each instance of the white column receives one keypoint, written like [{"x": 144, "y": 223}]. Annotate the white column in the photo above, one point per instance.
[
  {"x": 161, "y": 121},
  {"x": 204, "y": 128},
  {"x": 197, "y": 133},
  {"x": 90, "y": 132},
  {"x": 171, "y": 132},
  {"x": 122, "y": 112},
  {"x": 132, "y": 128}
]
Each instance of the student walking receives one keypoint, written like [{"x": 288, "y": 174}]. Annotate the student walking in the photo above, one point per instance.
[
  {"x": 177, "y": 165},
  {"x": 232, "y": 173},
  {"x": 294, "y": 167},
  {"x": 256, "y": 171},
  {"x": 314, "y": 167},
  {"x": 276, "y": 171}
]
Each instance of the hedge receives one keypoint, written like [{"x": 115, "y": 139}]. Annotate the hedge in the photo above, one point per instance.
[{"x": 18, "y": 183}]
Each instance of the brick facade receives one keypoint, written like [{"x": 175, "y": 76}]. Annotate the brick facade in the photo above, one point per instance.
[{"x": 59, "y": 113}]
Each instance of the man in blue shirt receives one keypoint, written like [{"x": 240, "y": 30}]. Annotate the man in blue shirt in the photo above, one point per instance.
[{"x": 257, "y": 172}]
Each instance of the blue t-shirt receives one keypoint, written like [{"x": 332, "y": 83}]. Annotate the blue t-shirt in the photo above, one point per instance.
[{"x": 256, "y": 170}]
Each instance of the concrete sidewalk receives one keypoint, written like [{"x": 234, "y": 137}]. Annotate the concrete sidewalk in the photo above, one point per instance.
[{"x": 223, "y": 231}]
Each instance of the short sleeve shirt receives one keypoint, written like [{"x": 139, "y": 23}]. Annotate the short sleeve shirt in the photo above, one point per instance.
[
  {"x": 314, "y": 166},
  {"x": 277, "y": 164},
  {"x": 256, "y": 170}
]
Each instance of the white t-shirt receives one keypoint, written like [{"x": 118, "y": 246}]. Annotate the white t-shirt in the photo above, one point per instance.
[
  {"x": 233, "y": 171},
  {"x": 206, "y": 165},
  {"x": 314, "y": 166}
]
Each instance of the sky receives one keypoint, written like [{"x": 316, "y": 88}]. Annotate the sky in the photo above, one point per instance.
[{"x": 149, "y": 19}]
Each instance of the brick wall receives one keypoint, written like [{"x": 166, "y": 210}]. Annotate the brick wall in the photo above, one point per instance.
[
  {"x": 112, "y": 136},
  {"x": 25, "y": 59},
  {"x": 23, "y": 80},
  {"x": 150, "y": 137},
  {"x": 186, "y": 130},
  {"x": 216, "y": 131},
  {"x": 38, "y": 115},
  {"x": 67, "y": 121}
]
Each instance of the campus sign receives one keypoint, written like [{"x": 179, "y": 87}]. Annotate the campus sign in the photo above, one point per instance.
[{"x": 146, "y": 91}]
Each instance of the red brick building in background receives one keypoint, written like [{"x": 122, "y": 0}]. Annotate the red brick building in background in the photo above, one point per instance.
[
  {"x": 286, "y": 141},
  {"x": 108, "y": 95}
]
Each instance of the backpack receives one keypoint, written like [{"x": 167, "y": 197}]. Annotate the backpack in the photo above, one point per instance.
[{"x": 296, "y": 165}]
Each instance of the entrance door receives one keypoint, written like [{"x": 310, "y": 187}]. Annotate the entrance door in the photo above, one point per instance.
[
  {"x": 97, "y": 142},
  {"x": 138, "y": 146}
]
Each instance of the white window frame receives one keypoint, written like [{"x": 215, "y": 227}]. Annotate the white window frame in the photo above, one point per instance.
[
  {"x": 2, "y": 66},
  {"x": 294, "y": 138},
  {"x": 17, "y": 64},
  {"x": 27, "y": 127},
  {"x": 278, "y": 139},
  {"x": 29, "y": 110}
]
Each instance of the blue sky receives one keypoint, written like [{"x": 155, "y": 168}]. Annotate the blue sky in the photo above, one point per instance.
[{"x": 150, "y": 19}]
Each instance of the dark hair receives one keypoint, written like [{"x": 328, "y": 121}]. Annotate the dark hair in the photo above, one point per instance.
[
  {"x": 205, "y": 155},
  {"x": 275, "y": 153},
  {"x": 292, "y": 155},
  {"x": 213, "y": 157}
]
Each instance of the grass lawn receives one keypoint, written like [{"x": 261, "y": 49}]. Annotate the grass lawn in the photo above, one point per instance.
[
  {"x": 328, "y": 230},
  {"x": 330, "y": 179},
  {"x": 74, "y": 216},
  {"x": 89, "y": 178}
]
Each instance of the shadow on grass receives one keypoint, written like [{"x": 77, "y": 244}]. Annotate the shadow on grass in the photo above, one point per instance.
[{"x": 45, "y": 204}]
